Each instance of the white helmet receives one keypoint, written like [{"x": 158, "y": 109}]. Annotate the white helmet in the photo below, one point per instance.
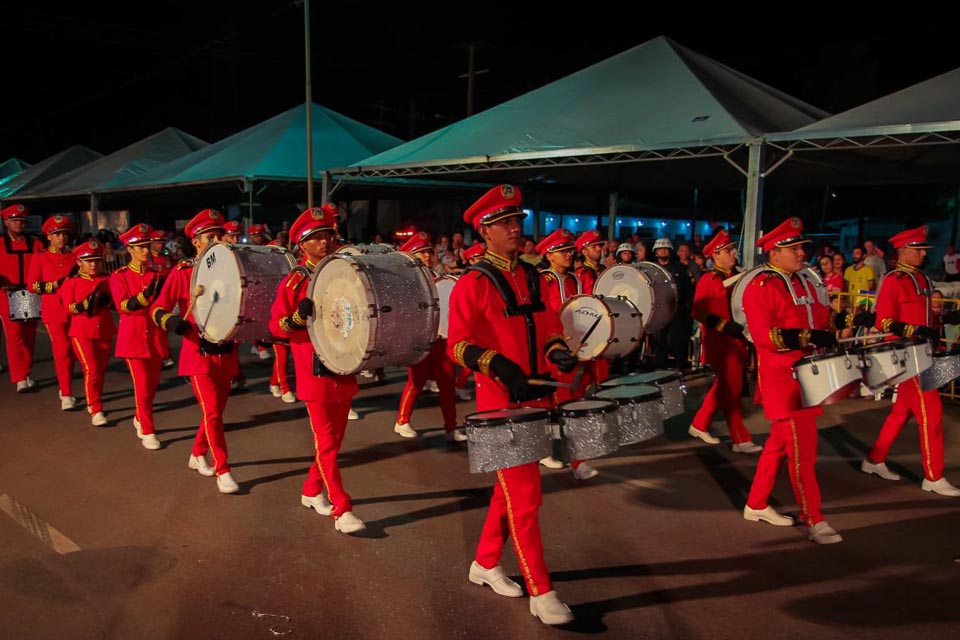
[
  {"x": 662, "y": 243},
  {"x": 626, "y": 246}
]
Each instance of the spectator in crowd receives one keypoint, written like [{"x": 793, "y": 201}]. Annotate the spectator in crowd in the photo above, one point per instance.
[
  {"x": 530, "y": 255},
  {"x": 833, "y": 281},
  {"x": 640, "y": 251},
  {"x": 874, "y": 259},
  {"x": 625, "y": 253},
  {"x": 860, "y": 277},
  {"x": 443, "y": 244},
  {"x": 609, "y": 256},
  {"x": 951, "y": 260},
  {"x": 701, "y": 263},
  {"x": 697, "y": 247},
  {"x": 839, "y": 264},
  {"x": 683, "y": 255}
]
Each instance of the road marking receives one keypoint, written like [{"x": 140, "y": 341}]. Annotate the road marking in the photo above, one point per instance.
[{"x": 36, "y": 525}]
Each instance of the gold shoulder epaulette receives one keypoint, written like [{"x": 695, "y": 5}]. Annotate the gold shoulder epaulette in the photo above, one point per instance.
[
  {"x": 295, "y": 278},
  {"x": 184, "y": 264}
]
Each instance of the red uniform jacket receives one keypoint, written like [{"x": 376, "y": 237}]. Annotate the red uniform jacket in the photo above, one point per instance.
[
  {"x": 550, "y": 291},
  {"x": 587, "y": 274},
  {"x": 477, "y": 318},
  {"x": 310, "y": 388},
  {"x": 769, "y": 307},
  {"x": 904, "y": 296},
  {"x": 48, "y": 271},
  {"x": 712, "y": 298},
  {"x": 160, "y": 262},
  {"x": 176, "y": 292},
  {"x": 73, "y": 292},
  {"x": 138, "y": 336}
]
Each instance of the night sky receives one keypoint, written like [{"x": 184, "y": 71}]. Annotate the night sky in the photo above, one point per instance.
[{"x": 106, "y": 78}]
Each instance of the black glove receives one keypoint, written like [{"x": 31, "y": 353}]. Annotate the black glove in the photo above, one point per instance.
[
  {"x": 732, "y": 329},
  {"x": 104, "y": 299},
  {"x": 952, "y": 317},
  {"x": 152, "y": 288},
  {"x": 565, "y": 361},
  {"x": 926, "y": 333},
  {"x": 864, "y": 319},
  {"x": 512, "y": 377},
  {"x": 305, "y": 308},
  {"x": 816, "y": 337},
  {"x": 821, "y": 338},
  {"x": 177, "y": 325},
  {"x": 319, "y": 369}
]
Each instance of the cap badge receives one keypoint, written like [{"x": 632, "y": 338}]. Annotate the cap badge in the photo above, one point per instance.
[{"x": 506, "y": 191}]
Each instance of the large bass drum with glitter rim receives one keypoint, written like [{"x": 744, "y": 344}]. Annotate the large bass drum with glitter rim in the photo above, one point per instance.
[
  {"x": 365, "y": 249},
  {"x": 372, "y": 311},
  {"x": 239, "y": 284},
  {"x": 24, "y": 305},
  {"x": 740, "y": 286},
  {"x": 648, "y": 286},
  {"x": 445, "y": 285}
]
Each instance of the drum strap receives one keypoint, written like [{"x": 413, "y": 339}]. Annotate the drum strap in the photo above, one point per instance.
[
  {"x": 805, "y": 301},
  {"x": 510, "y": 300},
  {"x": 8, "y": 245},
  {"x": 560, "y": 278},
  {"x": 927, "y": 293}
]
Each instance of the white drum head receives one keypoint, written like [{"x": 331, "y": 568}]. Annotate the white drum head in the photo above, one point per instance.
[
  {"x": 578, "y": 315},
  {"x": 342, "y": 329},
  {"x": 217, "y": 309},
  {"x": 631, "y": 283},
  {"x": 444, "y": 289}
]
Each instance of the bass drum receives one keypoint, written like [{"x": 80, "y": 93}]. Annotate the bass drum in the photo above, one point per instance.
[
  {"x": 364, "y": 249},
  {"x": 444, "y": 289},
  {"x": 239, "y": 286},
  {"x": 740, "y": 286},
  {"x": 648, "y": 286},
  {"x": 603, "y": 327},
  {"x": 372, "y": 311}
]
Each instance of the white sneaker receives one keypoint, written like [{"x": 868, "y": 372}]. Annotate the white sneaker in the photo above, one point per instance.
[
  {"x": 168, "y": 363},
  {"x": 288, "y": 397},
  {"x": 349, "y": 523},
  {"x": 201, "y": 465},
  {"x": 238, "y": 383},
  {"x": 463, "y": 394},
  {"x": 941, "y": 487},
  {"x": 67, "y": 403},
  {"x": 30, "y": 383},
  {"x": 768, "y": 514},
  {"x": 431, "y": 386},
  {"x": 706, "y": 436},
  {"x": 353, "y": 415},
  {"x": 550, "y": 609},
  {"x": 457, "y": 435},
  {"x": 823, "y": 533},
  {"x": 404, "y": 430},
  {"x": 747, "y": 447},
  {"x": 494, "y": 578},
  {"x": 275, "y": 391},
  {"x": 878, "y": 469},
  {"x": 318, "y": 503},
  {"x": 99, "y": 419},
  {"x": 150, "y": 441},
  {"x": 226, "y": 483},
  {"x": 138, "y": 427},
  {"x": 584, "y": 472},
  {"x": 265, "y": 354},
  {"x": 551, "y": 463},
  {"x": 367, "y": 374},
  {"x": 22, "y": 386}
]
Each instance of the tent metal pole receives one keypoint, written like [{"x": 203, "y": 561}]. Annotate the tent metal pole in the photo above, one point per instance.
[
  {"x": 309, "y": 106},
  {"x": 94, "y": 213},
  {"x": 325, "y": 188},
  {"x": 612, "y": 214},
  {"x": 753, "y": 212},
  {"x": 536, "y": 216}
]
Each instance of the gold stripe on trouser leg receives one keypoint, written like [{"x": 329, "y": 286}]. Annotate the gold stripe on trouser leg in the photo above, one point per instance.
[
  {"x": 513, "y": 534},
  {"x": 316, "y": 455},
  {"x": 204, "y": 423},
  {"x": 136, "y": 395},
  {"x": 925, "y": 437},
  {"x": 86, "y": 370},
  {"x": 407, "y": 399},
  {"x": 796, "y": 468}
]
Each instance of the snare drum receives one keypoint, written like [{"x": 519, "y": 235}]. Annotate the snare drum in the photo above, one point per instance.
[
  {"x": 648, "y": 286},
  {"x": 614, "y": 325},
  {"x": 239, "y": 286},
  {"x": 372, "y": 311},
  {"x": 917, "y": 357},
  {"x": 827, "y": 378},
  {"x": 444, "y": 289},
  {"x": 944, "y": 370},
  {"x": 589, "y": 428},
  {"x": 508, "y": 438},
  {"x": 24, "y": 305},
  {"x": 667, "y": 380},
  {"x": 880, "y": 364},
  {"x": 641, "y": 411}
]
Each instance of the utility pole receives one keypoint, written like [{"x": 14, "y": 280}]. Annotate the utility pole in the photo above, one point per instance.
[
  {"x": 306, "y": 38},
  {"x": 472, "y": 71}
]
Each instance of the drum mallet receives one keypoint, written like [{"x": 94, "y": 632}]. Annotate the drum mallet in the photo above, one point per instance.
[
  {"x": 867, "y": 337},
  {"x": 537, "y": 382},
  {"x": 197, "y": 292}
]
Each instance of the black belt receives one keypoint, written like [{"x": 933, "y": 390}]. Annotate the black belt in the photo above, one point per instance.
[{"x": 208, "y": 348}]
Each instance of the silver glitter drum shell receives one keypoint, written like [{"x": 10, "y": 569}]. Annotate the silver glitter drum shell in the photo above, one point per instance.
[
  {"x": 669, "y": 382},
  {"x": 881, "y": 363},
  {"x": 372, "y": 311},
  {"x": 615, "y": 323},
  {"x": 917, "y": 357},
  {"x": 239, "y": 286},
  {"x": 944, "y": 370},
  {"x": 507, "y": 438},
  {"x": 648, "y": 286},
  {"x": 641, "y": 411},
  {"x": 362, "y": 249},
  {"x": 589, "y": 428},
  {"x": 24, "y": 305},
  {"x": 444, "y": 289},
  {"x": 828, "y": 378}
]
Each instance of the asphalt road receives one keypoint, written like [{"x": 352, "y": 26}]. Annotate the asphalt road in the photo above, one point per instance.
[{"x": 100, "y": 538}]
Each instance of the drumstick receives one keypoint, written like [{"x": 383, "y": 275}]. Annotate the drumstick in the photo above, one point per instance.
[
  {"x": 537, "y": 382},
  {"x": 866, "y": 337},
  {"x": 587, "y": 335},
  {"x": 197, "y": 292}
]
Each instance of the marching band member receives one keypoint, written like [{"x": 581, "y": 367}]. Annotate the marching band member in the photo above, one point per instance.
[
  {"x": 231, "y": 231},
  {"x": 162, "y": 264},
  {"x": 471, "y": 256},
  {"x": 257, "y": 236},
  {"x": 590, "y": 244},
  {"x": 436, "y": 366},
  {"x": 17, "y": 250},
  {"x": 139, "y": 341},
  {"x": 86, "y": 297},
  {"x": 787, "y": 321},
  {"x": 209, "y": 366},
  {"x": 48, "y": 271},
  {"x": 723, "y": 347},
  {"x": 500, "y": 328},
  {"x": 903, "y": 308},
  {"x": 326, "y": 394},
  {"x": 558, "y": 284}
]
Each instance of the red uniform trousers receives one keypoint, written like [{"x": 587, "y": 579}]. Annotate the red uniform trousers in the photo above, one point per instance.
[
  {"x": 439, "y": 367},
  {"x": 21, "y": 337},
  {"x": 796, "y": 439},
  {"x": 515, "y": 511},
  {"x": 328, "y": 420},
  {"x": 279, "y": 377},
  {"x": 63, "y": 357},
  {"x": 927, "y": 408},
  {"x": 212, "y": 391},
  {"x": 94, "y": 354},
  {"x": 725, "y": 394},
  {"x": 146, "y": 376},
  {"x": 462, "y": 376}
]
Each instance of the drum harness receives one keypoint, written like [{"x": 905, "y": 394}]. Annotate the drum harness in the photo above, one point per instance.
[
  {"x": 8, "y": 245},
  {"x": 806, "y": 301},
  {"x": 927, "y": 293},
  {"x": 560, "y": 278}
]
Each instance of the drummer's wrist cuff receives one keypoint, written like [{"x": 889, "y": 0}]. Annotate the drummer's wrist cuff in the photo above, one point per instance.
[
  {"x": 776, "y": 337},
  {"x": 713, "y": 321},
  {"x": 555, "y": 341},
  {"x": 483, "y": 362},
  {"x": 803, "y": 337},
  {"x": 163, "y": 320},
  {"x": 298, "y": 320},
  {"x": 886, "y": 325},
  {"x": 142, "y": 299},
  {"x": 721, "y": 323},
  {"x": 908, "y": 330}
]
